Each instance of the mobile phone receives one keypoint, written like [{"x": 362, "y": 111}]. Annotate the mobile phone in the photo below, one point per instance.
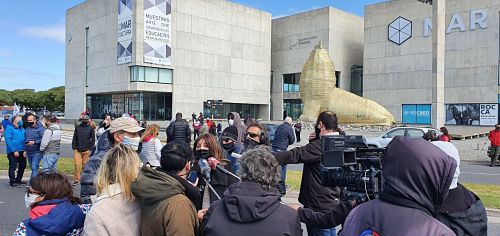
[{"x": 193, "y": 175}]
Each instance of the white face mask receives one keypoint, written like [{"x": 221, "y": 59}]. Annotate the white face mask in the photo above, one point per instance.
[
  {"x": 132, "y": 143},
  {"x": 29, "y": 200},
  {"x": 231, "y": 122}
]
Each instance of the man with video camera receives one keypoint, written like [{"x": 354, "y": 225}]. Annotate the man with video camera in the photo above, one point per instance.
[{"x": 313, "y": 195}]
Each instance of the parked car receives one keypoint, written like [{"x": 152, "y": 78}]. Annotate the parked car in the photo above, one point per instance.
[
  {"x": 412, "y": 132},
  {"x": 271, "y": 130},
  {"x": 58, "y": 114}
]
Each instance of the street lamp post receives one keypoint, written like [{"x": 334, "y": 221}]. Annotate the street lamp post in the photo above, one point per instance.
[{"x": 438, "y": 56}]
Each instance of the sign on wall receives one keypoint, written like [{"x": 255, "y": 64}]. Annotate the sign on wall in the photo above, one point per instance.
[
  {"x": 417, "y": 114},
  {"x": 125, "y": 26},
  {"x": 472, "y": 114},
  {"x": 157, "y": 32},
  {"x": 489, "y": 114}
]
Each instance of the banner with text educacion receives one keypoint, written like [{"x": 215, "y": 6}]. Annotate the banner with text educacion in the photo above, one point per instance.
[
  {"x": 125, "y": 26},
  {"x": 157, "y": 31}
]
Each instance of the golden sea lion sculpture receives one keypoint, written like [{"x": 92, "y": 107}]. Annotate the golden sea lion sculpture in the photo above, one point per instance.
[{"x": 318, "y": 93}]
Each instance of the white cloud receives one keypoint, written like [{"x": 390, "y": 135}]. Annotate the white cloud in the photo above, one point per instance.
[{"x": 55, "y": 32}]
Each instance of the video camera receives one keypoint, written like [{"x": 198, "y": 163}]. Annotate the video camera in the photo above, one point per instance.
[{"x": 347, "y": 162}]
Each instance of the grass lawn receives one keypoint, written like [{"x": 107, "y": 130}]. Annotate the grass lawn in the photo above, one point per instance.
[
  {"x": 64, "y": 165},
  {"x": 489, "y": 194}
]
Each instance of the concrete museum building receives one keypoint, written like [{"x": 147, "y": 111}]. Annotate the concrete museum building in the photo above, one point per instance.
[
  {"x": 152, "y": 58},
  {"x": 398, "y": 60}
]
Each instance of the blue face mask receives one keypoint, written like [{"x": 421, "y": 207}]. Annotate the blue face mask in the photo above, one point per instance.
[
  {"x": 132, "y": 143},
  {"x": 20, "y": 123}
]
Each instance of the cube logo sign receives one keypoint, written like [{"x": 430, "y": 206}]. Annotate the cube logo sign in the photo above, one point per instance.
[{"x": 400, "y": 30}]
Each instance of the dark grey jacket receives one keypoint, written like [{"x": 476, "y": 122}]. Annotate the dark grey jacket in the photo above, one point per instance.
[
  {"x": 417, "y": 177},
  {"x": 90, "y": 169},
  {"x": 283, "y": 137},
  {"x": 251, "y": 209}
]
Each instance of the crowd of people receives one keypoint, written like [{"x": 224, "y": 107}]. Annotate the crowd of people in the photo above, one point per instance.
[{"x": 228, "y": 182}]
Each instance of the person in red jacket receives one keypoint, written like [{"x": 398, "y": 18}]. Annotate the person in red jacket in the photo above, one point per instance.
[
  {"x": 445, "y": 137},
  {"x": 494, "y": 138}
]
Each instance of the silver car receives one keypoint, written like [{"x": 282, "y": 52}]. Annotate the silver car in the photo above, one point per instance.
[{"x": 412, "y": 132}]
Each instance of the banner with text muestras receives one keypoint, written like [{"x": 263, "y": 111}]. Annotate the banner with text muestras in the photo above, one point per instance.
[{"x": 157, "y": 31}]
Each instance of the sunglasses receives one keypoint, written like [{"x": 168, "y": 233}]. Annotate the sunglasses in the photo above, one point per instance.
[{"x": 252, "y": 135}]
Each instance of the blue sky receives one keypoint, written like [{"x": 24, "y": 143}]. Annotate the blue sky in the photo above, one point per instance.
[{"x": 32, "y": 36}]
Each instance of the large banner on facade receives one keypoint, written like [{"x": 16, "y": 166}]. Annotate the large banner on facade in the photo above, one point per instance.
[
  {"x": 489, "y": 114},
  {"x": 417, "y": 114},
  {"x": 125, "y": 26},
  {"x": 157, "y": 32}
]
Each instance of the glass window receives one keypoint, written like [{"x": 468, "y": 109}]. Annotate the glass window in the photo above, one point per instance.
[
  {"x": 165, "y": 76},
  {"x": 151, "y": 74},
  {"x": 291, "y": 82},
  {"x": 415, "y": 133},
  {"x": 396, "y": 133}
]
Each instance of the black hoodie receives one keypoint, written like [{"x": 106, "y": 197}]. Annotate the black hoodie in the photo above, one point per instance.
[
  {"x": 417, "y": 176},
  {"x": 251, "y": 209}
]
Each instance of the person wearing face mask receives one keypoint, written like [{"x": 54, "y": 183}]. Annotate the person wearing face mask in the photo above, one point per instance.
[
  {"x": 123, "y": 130},
  {"x": 83, "y": 142},
  {"x": 494, "y": 138},
  {"x": 15, "y": 141},
  {"x": 313, "y": 194},
  {"x": 206, "y": 147},
  {"x": 34, "y": 134},
  {"x": 256, "y": 135},
  {"x": 228, "y": 141},
  {"x": 53, "y": 210},
  {"x": 167, "y": 199},
  {"x": 51, "y": 143},
  {"x": 234, "y": 119},
  {"x": 103, "y": 125},
  {"x": 151, "y": 146}
]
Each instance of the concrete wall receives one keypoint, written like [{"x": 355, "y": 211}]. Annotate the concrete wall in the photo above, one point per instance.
[
  {"x": 221, "y": 50},
  {"x": 402, "y": 74},
  {"x": 294, "y": 37}
]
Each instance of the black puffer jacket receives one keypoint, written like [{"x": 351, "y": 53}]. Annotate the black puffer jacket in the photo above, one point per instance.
[
  {"x": 179, "y": 131},
  {"x": 251, "y": 209},
  {"x": 90, "y": 169},
  {"x": 417, "y": 178},
  {"x": 464, "y": 213}
]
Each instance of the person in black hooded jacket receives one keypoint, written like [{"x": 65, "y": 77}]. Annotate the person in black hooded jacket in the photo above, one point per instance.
[
  {"x": 179, "y": 130},
  {"x": 417, "y": 176},
  {"x": 253, "y": 206}
]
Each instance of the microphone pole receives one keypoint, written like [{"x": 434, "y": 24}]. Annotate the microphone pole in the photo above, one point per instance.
[
  {"x": 227, "y": 172},
  {"x": 211, "y": 188}
]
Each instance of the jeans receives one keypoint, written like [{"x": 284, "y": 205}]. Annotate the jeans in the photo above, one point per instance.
[
  {"x": 13, "y": 162},
  {"x": 321, "y": 232},
  {"x": 281, "y": 184},
  {"x": 34, "y": 159},
  {"x": 49, "y": 161}
]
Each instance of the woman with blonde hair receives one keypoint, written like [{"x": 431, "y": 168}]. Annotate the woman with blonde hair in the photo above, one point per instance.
[
  {"x": 151, "y": 146},
  {"x": 207, "y": 148},
  {"x": 115, "y": 210}
]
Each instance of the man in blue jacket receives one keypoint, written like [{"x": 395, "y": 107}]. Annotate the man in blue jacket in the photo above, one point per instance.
[
  {"x": 34, "y": 135},
  {"x": 283, "y": 137}
]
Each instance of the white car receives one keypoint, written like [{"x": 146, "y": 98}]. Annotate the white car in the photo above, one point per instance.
[{"x": 412, "y": 132}]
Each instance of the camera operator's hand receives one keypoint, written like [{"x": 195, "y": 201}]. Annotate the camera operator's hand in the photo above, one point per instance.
[{"x": 312, "y": 136}]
